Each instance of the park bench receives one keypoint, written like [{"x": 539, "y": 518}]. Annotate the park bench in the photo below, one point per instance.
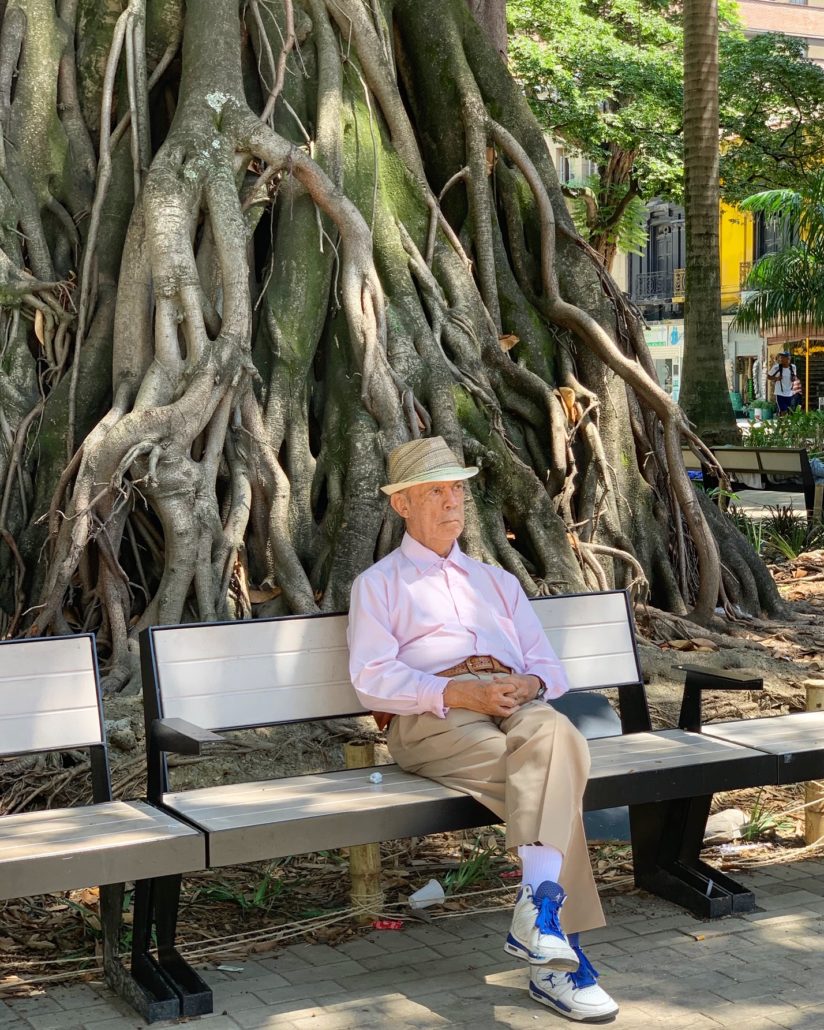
[
  {"x": 200, "y": 680},
  {"x": 784, "y": 462},
  {"x": 50, "y": 702}
]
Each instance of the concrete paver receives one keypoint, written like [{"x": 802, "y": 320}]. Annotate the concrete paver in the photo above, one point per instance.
[{"x": 665, "y": 969}]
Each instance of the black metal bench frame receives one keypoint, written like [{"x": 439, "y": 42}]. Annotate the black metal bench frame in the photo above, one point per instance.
[
  {"x": 145, "y": 986},
  {"x": 812, "y": 498},
  {"x": 668, "y": 807}
]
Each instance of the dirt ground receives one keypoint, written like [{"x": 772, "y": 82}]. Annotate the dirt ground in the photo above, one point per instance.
[{"x": 232, "y": 912}]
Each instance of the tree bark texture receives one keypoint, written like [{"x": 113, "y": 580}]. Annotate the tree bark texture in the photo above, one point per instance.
[
  {"x": 491, "y": 16},
  {"x": 704, "y": 391},
  {"x": 246, "y": 250}
]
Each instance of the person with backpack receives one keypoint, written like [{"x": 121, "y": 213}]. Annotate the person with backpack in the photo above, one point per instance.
[{"x": 782, "y": 374}]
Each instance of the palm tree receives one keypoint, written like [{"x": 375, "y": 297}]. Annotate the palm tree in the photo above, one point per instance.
[
  {"x": 788, "y": 286},
  {"x": 704, "y": 394}
]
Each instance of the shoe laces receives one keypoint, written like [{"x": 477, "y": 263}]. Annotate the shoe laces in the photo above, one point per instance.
[
  {"x": 548, "y": 899},
  {"x": 586, "y": 975}
]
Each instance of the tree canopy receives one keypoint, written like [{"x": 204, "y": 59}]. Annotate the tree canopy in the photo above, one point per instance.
[
  {"x": 607, "y": 79},
  {"x": 246, "y": 250},
  {"x": 787, "y": 287}
]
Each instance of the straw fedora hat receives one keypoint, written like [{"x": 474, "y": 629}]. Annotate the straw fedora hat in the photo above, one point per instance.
[{"x": 424, "y": 461}]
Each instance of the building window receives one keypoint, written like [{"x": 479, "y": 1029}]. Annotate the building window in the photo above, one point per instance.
[{"x": 562, "y": 166}]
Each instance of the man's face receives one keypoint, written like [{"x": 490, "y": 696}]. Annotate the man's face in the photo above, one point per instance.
[
  {"x": 433, "y": 512},
  {"x": 785, "y": 360}
]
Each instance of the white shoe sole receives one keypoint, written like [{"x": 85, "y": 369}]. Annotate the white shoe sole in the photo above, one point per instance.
[
  {"x": 566, "y": 961},
  {"x": 563, "y": 1010}
]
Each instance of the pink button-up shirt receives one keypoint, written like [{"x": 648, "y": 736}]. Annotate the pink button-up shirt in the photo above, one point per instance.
[{"x": 413, "y": 614}]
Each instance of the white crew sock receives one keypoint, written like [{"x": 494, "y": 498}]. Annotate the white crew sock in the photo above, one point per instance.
[{"x": 539, "y": 862}]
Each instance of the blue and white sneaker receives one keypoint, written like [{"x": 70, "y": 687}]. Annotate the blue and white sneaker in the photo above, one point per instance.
[
  {"x": 536, "y": 935},
  {"x": 574, "y": 995}
]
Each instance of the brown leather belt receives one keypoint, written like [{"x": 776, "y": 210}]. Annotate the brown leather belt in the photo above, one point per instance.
[{"x": 475, "y": 663}]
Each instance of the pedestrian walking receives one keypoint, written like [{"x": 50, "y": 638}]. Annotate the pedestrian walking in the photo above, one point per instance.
[{"x": 782, "y": 374}]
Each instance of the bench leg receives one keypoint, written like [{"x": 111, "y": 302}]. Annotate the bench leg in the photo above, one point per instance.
[
  {"x": 195, "y": 994},
  {"x": 166, "y": 978},
  {"x": 148, "y": 993},
  {"x": 666, "y": 844}
]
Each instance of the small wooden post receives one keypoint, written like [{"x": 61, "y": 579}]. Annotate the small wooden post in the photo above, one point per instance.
[
  {"x": 814, "y": 791},
  {"x": 364, "y": 859}
]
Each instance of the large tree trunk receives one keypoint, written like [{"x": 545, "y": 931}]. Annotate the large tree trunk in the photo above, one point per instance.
[
  {"x": 704, "y": 391},
  {"x": 491, "y": 16},
  {"x": 248, "y": 249}
]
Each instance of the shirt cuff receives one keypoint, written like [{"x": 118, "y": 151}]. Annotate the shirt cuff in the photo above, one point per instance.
[
  {"x": 430, "y": 694},
  {"x": 553, "y": 677}
]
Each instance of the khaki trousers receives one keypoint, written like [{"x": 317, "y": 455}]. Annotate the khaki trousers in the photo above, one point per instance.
[{"x": 530, "y": 769}]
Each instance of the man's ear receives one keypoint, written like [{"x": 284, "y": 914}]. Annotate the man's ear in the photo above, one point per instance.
[{"x": 400, "y": 503}]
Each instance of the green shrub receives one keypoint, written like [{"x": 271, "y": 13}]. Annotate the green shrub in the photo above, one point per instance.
[
  {"x": 797, "y": 429},
  {"x": 787, "y": 533}
]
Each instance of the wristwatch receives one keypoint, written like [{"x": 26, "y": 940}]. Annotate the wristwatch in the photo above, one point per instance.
[{"x": 541, "y": 689}]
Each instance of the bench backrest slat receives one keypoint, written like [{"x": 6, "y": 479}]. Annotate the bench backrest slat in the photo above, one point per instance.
[
  {"x": 593, "y": 636},
  {"x": 48, "y": 694},
  {"x": 256, "y": 673},
  {"x": 773, "y": 461}
]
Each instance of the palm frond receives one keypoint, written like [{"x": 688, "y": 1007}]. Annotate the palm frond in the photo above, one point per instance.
[{"x": 788, "y": 286}]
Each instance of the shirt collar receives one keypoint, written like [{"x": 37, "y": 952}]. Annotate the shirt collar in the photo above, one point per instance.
[{"x": 423, "y": 558}]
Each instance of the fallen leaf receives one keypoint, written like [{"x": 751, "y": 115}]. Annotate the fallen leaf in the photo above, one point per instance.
[
  {"x": 39, "y": 326},
  {"x": 508, "y": 341},
  {"x": 800, "y": 574},
  {"x": 257, "y": 595},
  {"x": 703, "y": 642},
  {"x": 566, "y": 395},
  {"x": 682, "y": 645}
]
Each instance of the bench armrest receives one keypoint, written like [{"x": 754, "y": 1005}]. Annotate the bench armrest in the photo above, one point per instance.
[
  {"x": 181, "y": 737},
  {"x": 699, "y": 678}
]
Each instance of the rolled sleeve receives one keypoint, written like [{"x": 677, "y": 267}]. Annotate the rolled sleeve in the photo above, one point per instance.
[{"x": 382, "y": 682}]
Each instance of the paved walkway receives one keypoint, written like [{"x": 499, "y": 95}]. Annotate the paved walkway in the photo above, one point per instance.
[
  {"x": 665, "y": 969},
  {"x": 756, "y": 503}
]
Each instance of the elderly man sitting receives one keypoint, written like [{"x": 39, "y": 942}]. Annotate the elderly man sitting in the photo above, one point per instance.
[{"x": 450, "y": 655}]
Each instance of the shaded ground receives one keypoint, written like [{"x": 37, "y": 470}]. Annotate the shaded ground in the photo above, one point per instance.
[{"x": 243, "y": 909}]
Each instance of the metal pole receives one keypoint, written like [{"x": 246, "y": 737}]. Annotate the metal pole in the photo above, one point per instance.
[{"x": 807, "y": 373}]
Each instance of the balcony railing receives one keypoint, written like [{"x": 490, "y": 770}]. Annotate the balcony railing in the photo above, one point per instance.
[{"x": 653, "y": 286}]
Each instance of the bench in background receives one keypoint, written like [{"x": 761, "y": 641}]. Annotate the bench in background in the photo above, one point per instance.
[
  {"x": 764, "y": 461},
  {"x": 50, "y": 702},
  {"x": 203, "y": 679}
]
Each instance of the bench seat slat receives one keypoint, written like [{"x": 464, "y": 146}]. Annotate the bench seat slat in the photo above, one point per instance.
[
  {"x": 275, "y": 818},
  {"x": 68, "y": 848},
  {"x": 297, "y": 815},
  {"x": 796, "y": 739}
]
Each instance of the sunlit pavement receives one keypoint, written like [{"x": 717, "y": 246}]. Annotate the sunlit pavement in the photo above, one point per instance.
[{"x": 665, "y": 969}]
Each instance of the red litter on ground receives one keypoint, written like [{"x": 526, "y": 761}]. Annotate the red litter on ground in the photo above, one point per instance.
[
  {"x": 387, "y": 924},
  {"x": 510, "y": 874}
]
